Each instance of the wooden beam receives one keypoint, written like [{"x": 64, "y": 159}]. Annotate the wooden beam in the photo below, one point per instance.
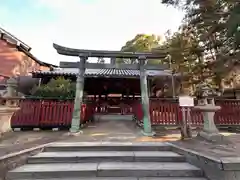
[
  {"x": 108, "y": 54},
  {"x": 112, "y": 66}
]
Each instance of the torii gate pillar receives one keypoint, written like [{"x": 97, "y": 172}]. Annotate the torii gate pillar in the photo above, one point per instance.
[{"x": 147, "y": 128}]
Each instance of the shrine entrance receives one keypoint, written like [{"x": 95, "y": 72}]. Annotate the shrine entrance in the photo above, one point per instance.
[
  {"x": 113, "y": 95},
  {"x": 140, "y": 71}
]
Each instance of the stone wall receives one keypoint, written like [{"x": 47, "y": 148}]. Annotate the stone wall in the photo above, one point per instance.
[{"x": 214, "y": 169}]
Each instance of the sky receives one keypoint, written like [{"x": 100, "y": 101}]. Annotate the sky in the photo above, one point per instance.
[{"x": 85, "y": 24}]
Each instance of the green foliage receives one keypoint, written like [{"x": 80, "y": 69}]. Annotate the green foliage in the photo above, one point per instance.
[
  {"x": 207, "y": 45},
  {"x": 56, "y": 88},
  {"x": 214, "y": 24},
  {"x": 140, "y": 43}
]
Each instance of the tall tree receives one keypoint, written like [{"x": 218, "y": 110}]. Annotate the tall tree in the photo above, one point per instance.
[
  {"x": 216, "y": 24},
  {"x": 186, "y": 57},
  {"x": 140, "y": 43}
]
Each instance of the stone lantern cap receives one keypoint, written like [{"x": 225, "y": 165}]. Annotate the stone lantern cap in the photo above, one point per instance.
[{"x": 204, "y": 90}]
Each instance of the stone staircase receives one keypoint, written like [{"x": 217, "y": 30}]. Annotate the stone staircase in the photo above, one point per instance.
[{"x": 107, "y": 161}]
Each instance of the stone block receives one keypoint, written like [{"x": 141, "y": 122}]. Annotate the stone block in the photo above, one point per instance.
[
  {"x": 107, "y": 146},
  {"x": 214, "y": 137},
  {"x": 144, "y": 169},
  {"x": 55, "y": 129},
  {"x": 36, "y": 129},
  {"x": 48, "y": 171},
  {"x": 5, "y": 118},
  {"x": 17, "y": 129}
]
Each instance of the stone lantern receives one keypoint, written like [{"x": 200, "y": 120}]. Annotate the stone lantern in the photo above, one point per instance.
[
  {"x": 206, "y": 105},
  {"x": 7, "y": 109}
]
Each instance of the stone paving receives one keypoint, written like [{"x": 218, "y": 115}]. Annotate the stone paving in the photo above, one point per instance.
[
  {"x": 109, "y": 131},
  {"x": 230, "y": 148},
  {"x": 116, "y": 131},
  {"x": 119, "y": 131},
  {"x": 17, "y": 141}
]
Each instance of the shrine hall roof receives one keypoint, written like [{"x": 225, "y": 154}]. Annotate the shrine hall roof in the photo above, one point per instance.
[{"x": 103, "y": 72}]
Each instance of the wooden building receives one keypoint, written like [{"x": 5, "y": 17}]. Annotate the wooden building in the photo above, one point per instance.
[
  {"x": 101, "y": 80},
  {"x": 16, "y": 58}
]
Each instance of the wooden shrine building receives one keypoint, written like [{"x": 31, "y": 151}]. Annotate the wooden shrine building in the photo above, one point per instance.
[{"x": 100, "y": 80}]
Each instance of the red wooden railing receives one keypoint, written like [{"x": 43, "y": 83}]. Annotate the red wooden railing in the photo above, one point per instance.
[
  {"x": 28, "y": 115},
  {"x": 229, "y": 113},
  {"x": 53, "y": 113},
  {"x": 124, "y": 106},
  {"x": 48, "y": 113},
  {"x": 167, "y": 112}
]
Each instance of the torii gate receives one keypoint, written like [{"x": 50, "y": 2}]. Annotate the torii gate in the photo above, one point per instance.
[{"x": 82, "y": 65}]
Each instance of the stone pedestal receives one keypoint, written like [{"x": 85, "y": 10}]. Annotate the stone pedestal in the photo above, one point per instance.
[
  {"x": 5, "y": 118},
  {"x": 210, "y": 131}
]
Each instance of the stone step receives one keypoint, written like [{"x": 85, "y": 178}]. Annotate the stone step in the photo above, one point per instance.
[
  {"x": 107, "y": 156},
  {"x": 113, "y": 117},
  {"x": 105, "y": 169},
  {"x": 108, "y": 146},
  {"x": 124, "y": 178}
]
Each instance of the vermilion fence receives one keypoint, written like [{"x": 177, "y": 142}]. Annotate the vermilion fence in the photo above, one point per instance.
[
  {"x": 48, "y": 113},
  {"x": 229, "y": 113},
  {"x": 54, "y": 113},
  {"x": 168, "y": 112}
]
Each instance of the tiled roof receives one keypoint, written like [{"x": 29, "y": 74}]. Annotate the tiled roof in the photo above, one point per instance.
[
  {"x": 21, "y": 46},
  {"x": 104, "y": 72}
]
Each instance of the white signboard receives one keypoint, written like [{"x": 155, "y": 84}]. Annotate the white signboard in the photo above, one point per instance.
[{"x": 186, "y": 101}]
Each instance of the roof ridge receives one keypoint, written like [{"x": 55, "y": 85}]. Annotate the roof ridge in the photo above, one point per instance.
[
  {"x": 21, "y": 46},
  {"x": 3, "y": 31}
]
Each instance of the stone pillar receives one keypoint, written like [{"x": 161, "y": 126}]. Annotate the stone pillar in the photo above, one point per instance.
[
  {"x": 172, "y": 76},
  {"x": 147, "y": 129},
  {"x": 75, "y": 125}
]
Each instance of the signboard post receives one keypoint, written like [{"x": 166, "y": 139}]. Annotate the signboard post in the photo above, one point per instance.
[{"x": 186, "y": 102}]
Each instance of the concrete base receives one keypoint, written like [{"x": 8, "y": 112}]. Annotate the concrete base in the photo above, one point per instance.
[
  {"x": 151, "y": 134},
  {"x": 214, "y": 137},
  {"x": 55, "y": 129},
  {"x": 17, "y": 129},
  {"x": 75, "y": 133}
]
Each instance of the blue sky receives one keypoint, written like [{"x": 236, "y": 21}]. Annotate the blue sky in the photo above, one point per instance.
[{"x": 89, "y": 24}]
